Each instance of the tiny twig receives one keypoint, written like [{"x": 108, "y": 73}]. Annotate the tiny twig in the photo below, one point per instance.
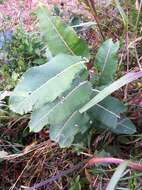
[
  {"x": 137, "y": 58},
  {"x": 47, "y": 182},
  {"x": 128, "y": 60},
  {"x": 90, "y": 162}
]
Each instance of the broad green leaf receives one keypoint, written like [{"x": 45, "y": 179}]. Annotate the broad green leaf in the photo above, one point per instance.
[
  {"x": 64, "y": 134},
  {"x": 57, "y": 113},
  {"x": 107, "y": 112},
  {"x": 43, "y": 84},
  {"x": 82, "y": 140},
  {"x": 125, "y": 126},
  {"x": 72, "y": 102},
  {"x": 117, "y": 175},
  {"x": 39, "y": 118},
  {"x": 60, "y": 38},
  {"x": 106, "y": 61},
  {"x": 111, "y": 88}
]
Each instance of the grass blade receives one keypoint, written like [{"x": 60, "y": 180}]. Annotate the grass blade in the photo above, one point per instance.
[
  {"x": 122, "y": 13},
  {"x": 117, "y": 175},
  {"x": 129, "y": 77}
]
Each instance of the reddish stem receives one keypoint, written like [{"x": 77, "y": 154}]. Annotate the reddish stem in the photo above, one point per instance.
[{"x": 111, "y": 160}]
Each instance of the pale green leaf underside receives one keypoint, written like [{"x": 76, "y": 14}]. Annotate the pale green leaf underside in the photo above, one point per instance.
[
  {"x": 60, "y": 38},
  {"x": 43, "y": 84}
]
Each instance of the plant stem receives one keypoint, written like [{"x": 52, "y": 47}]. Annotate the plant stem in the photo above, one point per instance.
[
  {"x": 92, "y": 7},
  {"x": 95, "y": 160}
]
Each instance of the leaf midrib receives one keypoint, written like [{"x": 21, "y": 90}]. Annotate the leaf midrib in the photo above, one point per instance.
[
  {"x": 57, "y": 137},
  {"x": 46, "y": 115},
  {"x": 60, "y": 36},
  {"x": 56, "y": 76},
  {"x": 106, "y": 60}
]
